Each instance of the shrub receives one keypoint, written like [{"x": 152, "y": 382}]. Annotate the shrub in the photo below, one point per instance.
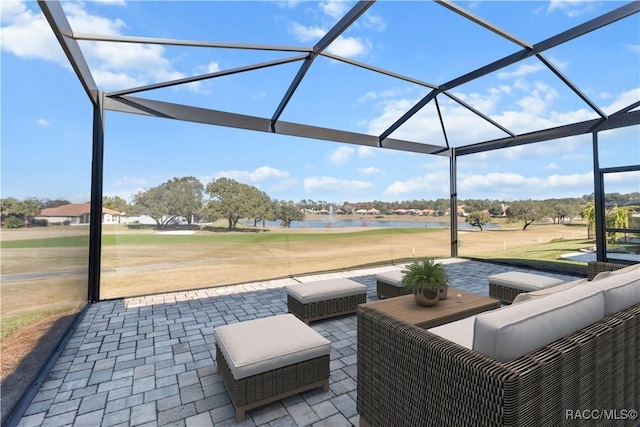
[{"x": 12, "y": 222}]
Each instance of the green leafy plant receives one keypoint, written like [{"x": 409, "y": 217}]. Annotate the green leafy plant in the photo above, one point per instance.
[{"x": 424, "y": 275}]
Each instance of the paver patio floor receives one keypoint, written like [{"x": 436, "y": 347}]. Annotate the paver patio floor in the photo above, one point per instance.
[{"x": 150, "y": 361}]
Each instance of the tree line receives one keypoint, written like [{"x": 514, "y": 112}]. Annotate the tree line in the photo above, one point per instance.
[{"x": 224, "y": 198}]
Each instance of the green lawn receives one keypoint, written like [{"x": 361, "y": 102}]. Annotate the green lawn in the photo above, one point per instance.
[{"x": 240, "y": 236}]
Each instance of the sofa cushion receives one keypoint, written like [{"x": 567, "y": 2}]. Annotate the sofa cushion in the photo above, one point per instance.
[
  {"x": 513, "y": 331},
  {"x": 526, "y": 296},
  {"x": 459, "y": 332},
  {"x": 621, "y": 289}
]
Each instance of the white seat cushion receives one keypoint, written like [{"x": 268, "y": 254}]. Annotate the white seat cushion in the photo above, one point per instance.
[
  {"x": 621, "y": 289},
  {"x": 523, "y": 281},
  {"x": 256, "y": 346},
  {"x": 323, "y": 290},
  {"x": 393, "y": 278},
  {"x": 459, "y": 332},
  {"x": 513, "y": 331},
  {"x": 526, "y": 296}
]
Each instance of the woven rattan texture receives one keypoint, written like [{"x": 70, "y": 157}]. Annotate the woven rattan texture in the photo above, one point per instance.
[
  {"x": 595, "y": 267},
  {"x": 325, "y": 309},
  {"x": 268, "y": 386},
  {"x": 503, "y": 293},
  {"x": 408, "y": 376},
  {"x": 389, "y": 291}
]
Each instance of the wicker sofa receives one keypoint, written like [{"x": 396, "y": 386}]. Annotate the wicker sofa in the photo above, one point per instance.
[{"x": 408, "y": 376}]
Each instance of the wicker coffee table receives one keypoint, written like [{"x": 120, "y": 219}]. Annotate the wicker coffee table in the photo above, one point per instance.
[{"x": 405, "y": 308}]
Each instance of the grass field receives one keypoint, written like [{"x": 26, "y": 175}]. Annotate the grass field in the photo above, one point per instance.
[{"x": 143, "y": 261}]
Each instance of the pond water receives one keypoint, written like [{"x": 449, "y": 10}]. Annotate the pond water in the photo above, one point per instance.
[{"x": 365, "y": 222}]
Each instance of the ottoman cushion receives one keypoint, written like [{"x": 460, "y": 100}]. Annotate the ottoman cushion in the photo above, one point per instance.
[
  {"x": 256, "y": 346},
  {"x": 523, "y": 281},
  {"x": 393, "y": 278},
  {"x": 323, "y": 290}
]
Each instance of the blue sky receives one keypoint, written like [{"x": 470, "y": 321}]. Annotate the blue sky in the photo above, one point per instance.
[{"x": 47, "y": 118}]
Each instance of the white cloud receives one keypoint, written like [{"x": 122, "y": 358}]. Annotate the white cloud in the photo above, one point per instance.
[
  {"x": 428, "y": 184},
  {"x": 633, "y": 47},
  {"x": 349, "y": 47},
  {"x": 334, "y": 8},
  {"x": 26, "y": 33},
  {"x": 306, "y": 34},
  {"x": 521, "y": 71},
  {"x": 521, "y": 109},
  {"x": 551, "y": 166},
  {"x": 374, "y": 21},
  {"x": 343, "y": 186},
  {"x": 514, "y": 186},
  {"x": 341, "y": 155},
  {"x": 261, "y": 174},
  {"x": 371, "y": 170},
  {"x": 623, "y": 100},
  {"x": 43, "y": 122},
  {"x": 572, "y": 8},
  {"x": 365, "y": 152}
]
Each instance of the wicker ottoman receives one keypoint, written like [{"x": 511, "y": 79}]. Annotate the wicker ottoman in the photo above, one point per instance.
[
  {"x": 389, "y": 284},
  {"x": 325, "y": 298},
  {"x": 506, "y": 286},
  {"x": 265, "y": 360}
]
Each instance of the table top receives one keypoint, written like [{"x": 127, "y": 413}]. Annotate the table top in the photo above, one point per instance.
[{"x": 406, "y": 309}]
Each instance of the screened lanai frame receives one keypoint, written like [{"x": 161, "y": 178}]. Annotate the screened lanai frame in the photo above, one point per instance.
[{"x": 123, "y": 101}]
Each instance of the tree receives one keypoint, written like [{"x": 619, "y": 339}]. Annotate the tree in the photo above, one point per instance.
[
  {"x": 154, "y": 202},
  {"x": 589, "y": 213},
  {"x": 617, "y": 217},
  {"x": 116, "y": 203},
  {"x": 184, "y": 198},
  {"x": 9, "y": 206},
  {"x": 231, "y": 200},
  {"x": 526, "y": 211},
  {"x": 478, "y": 219},
  {"x": 287, "y": 213},
  {"x": 495, "y": 209},
  {"x": 261, "y": 208},
  {"x": 46, "y": 203},
  {"x": 29, "y": 208}
]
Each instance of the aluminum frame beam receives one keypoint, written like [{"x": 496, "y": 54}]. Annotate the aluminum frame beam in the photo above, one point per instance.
[
  {"x": 209, "y": 75},
  {"x": 148, "y": 107},
  {"x": 577, "y": 31},
  {"x": 185, "y": 43},
  {"x": 342, "y": 25},
  {"x": 58, "y": 22},
  {"x": 596, "y": 125}
]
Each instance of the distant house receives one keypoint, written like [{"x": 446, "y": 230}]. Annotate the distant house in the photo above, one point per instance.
[
  {"x": 373, "y": 211},
  {"x": 77, "y": 213}
]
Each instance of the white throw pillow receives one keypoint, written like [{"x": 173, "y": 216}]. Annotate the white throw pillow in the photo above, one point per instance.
[{"x": 527, "y": 296}]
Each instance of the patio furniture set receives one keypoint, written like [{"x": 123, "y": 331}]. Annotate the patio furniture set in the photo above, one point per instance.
[
  {"x": 465, "y": 360},
  {"x": 538, "y": 361}
]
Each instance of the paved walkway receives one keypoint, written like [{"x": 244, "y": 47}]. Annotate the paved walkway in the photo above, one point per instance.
[{"x": 150, "y": 361}]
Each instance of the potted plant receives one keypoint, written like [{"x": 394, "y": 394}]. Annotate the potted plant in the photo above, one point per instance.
[{"x": 427, "y": 280}]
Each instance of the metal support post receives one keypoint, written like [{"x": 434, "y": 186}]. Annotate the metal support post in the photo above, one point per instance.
[{"x": 95, "y": 225}]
